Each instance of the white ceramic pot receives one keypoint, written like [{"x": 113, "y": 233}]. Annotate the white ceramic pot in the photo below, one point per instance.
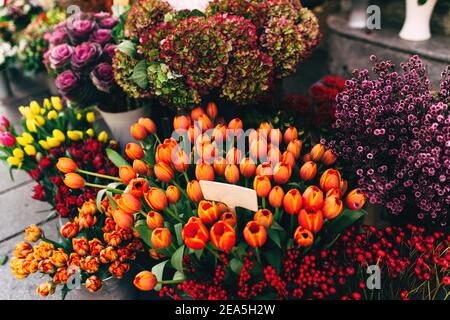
[
  {"x": 119, "y": 123},
  {"x": 417, "y": 21}
]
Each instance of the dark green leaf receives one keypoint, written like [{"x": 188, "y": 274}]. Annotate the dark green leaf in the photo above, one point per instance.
[
  {"x": 145, "y": 233},
  {"x": 236, "y": 265},
  {"x": 128, "y": 48},
  {"x": 345, "y": 220},
  {"x": 196, "y": 13},
  {"x": 116, "y": 158},
  {"x": 274, "y": 236},
  {"x": 178, "y": 228},
  {"x": 139, "y": 75},
  {"x": 276, "y": 226},
  {"x": 273, "y": 256},
  {"x": 3, "y": 259},
  {"x": 177, "y": 259}
]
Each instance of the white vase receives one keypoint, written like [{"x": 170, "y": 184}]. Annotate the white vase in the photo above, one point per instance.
[
  {"x": 417, "y": 21},
  {"x": 358, "y": 15},
  {"x": 119, "y": 123}
]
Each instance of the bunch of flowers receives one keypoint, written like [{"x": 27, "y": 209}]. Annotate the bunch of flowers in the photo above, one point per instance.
[
  {"x": 394, "y": 132},
  {"x": 50, "y": 132},
  {"x": 92, "y": 250},
  {"x": 7, "y": 54},
  {"x": 298, "y": 199},
  {"x": 412, "y": 265},
  {"x": 182, "y": 56}
]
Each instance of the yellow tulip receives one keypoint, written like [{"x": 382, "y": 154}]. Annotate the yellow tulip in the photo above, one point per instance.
[
  {"x": 13, "y": 161},
  {"x": 56, "y": 103},
  {"x": 52, "y": 115},
  {"x": 40, "y": 121},
  {"x": 58, "y": 134},
  {"x": 30, "y": 150},
  {"x": 103, "y": 136},
  {"x": 21, "y": 141},
  {"x": 79, "y": 116},
  {"x": 18, "y": 153},
  {"x": 53, "y": 142},
  {"x": 75, "y": 135},
  {"x": 35, "y": 108},
  {"x": 90, "y": 132},
  {"x": 44, "y": 144},
  {"x": 47, "y": 104},
  {"x": 31, "y": 125},
  {"x": 23, "y": 111},
  {"x": 28, "y": 137},
  {"x": 90, "y": 117}
]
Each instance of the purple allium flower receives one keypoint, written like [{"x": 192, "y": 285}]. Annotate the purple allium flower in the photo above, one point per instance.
[
  {"x": 60, "y": 56},
  {"x": 102, "y": 36},
  {"x": 85, "y": 56},
  {"x": 103, "y": 77}
]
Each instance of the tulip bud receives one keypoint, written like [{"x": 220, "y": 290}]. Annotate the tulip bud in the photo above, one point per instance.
[
  {"x": 255, "y": 234},
  {"x": 332, "y": 207},
  {"x": 330, "y": 179},
  {"x": 292, "y": 202},
  {"x": 204, "y": 171},
  {"x": 234, "y": 156},
  {"x": 93, "y": 284},
  {"x": 232, "y": 174},
  {"x": 129, "y": 203},
  {"x": 74, "y": 181},
  {"x": 303, "y": 237},
  {"x": 194, "y": 234},
  {"x": 275, "y": 137},
  {"x": 156, "y": 199},
  {"x": 69, "y": 230},
  {"x": 138, "y": 132},
  {"x": 88, "y": 208},
  {"x": 145, "y": 281},
  {"x": 180, "y": 160},
  {"x": 134, "y": 151},
  {"x": 295, "y": 146},
  {"x": 207, "y": 212},
  {"x": 265, "y": 169},
  {"x": 138, "y": 187},
  {"x": 264, "y": 217},
  {"x": 164, "y": 153},
  {"x": 290, "y": 134},
  {"x": 154, "y": 220},
  {"x": 355, "y": 199},
  {"x": 230, "y": 218},
  {"x": 317, "y": 152},
  {"x": 196, "y": 113},
  {"x": 161, "y": 238},
  {"x": 181, "y": 123},
  {"x": 148, "y": 124},
  {"x": 247, "y": 167},
  {"x": 288, "y": 158},
  {"x": 328, "y": 157},
  {"x": 173, "y": 194},
  {"x": 282, "y": 173},
  {"x": 334, "y": 193},
  {"x": 66, "y": 165},
  {"x": 46, "y": 288},
  {"x": 308, "y": 170},
  {"x": 307, "y": 157},
  {"x": 126, "y": 174},
  {"x": 312, "y": 198},
  {"x": 258, "y": 149},
  {"x": 211, "y": 110},
  {"x": 4, "y": 123},
  {"x": 262, "y": 186},
  {"x": 223, "y": 236},
  {"x": 204, "y": 123},
  {"x": 194, "y": 191},
  {"x": 123, "y": 220},
  {"x": 163, "y": 172},
  {"x": 220, "y": 164},
  {"x": 33, "y": 233},
  {"x": 276, "y": 197},
  {"x": 312, "y": 221},
  {"x": 235, "y": 127},
  {"x": 23, "y": 249},
  {"x": 219, "y": 133}
]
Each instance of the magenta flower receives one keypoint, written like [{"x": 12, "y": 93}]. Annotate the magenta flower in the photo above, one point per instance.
[
  {"x": 7, "y": 139},
  {"x": 60, "y": 56},
  {"x": 4, "y": 123},
  {"x": 85, "y": 56},
  {"x": 80, "y": 30},
  {"x": 102, "y": 36},
  {"x": 67, "y": 83},
  {"x": 103, "y": 77}
]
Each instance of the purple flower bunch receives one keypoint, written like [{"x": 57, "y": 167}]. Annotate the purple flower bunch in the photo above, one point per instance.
[
  {"x": 80, "y": 56},
  {"x": 394, "y": 132}
]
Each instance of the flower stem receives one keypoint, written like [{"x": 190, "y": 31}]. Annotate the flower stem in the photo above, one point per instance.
[
  {"x": 99, "y": 175},
  {"x": 100, "y": 186},
  {"x": 173, "y": 215},
  {"x": 258, "y": 256}
]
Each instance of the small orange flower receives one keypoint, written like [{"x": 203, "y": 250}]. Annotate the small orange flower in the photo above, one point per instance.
[
  {"x": 207, "y": 212},
  {"x": 264, "y": 217},
  {"x": 295, "y": 146},
  {"x": 163, "y": 172},
  {"x": 134, "y": 151},
  {"x": 145, "y": 281},
  {"x": 234, "y": 156},
  {"x": 66, "y": 165},
  {"x": 194, "y": 234},
  {"x": 148, "y": 124},
  {"x": 204, "y": 123},
  {"x": 312, "y": 198},
  {"x": 108, "y": 255},
  {"x": 273, "y": 154},
  {"x": 95, "y": 247},
  {"x": 275, "y": 136},
  {"x": 80, "y": 246},
  {"x": 317, "y": 152},
  {"x": 255, "y": 234},
  {"x": 156, "y": 198},
  {"x": 137, "y": 187},
  {"x": 355, "y": 199},
  {"x": 220, "y": 164},
  {"x": 211, "y": 110},
  {"x": 173, "y": 194},
  {"x": 118, "y": 269},
  {"x": 180, "y": 160},
  {"x": 288, "y": 157},
  {"x": 23, "y": 249},
  {"x": 282, "y": 173},
  {"x": 196, "y": 113},
  {"x": 265, "y": 169},
  {"x": 161, "y": 238},
  {"x": 223, "y": 236},
  {"x": 247, "y": 167},
  {"x": 46, "y": 266},
  {"x": 290, "y": 134},
  {"x": 262, "y": 186},
  {"x": 292, "y": 202},
  {"x": 129, "y": 203},
  {"x": 88, "y": 208},
  {"x": 276, "y": 197},
  {"x": 46, "y": 288},
  {"x": 138, "y": 132},
  {"x": 230, "y": 218},
  {"x": 194, "y": 191},
  {"x": 312, "y": 221},
  {"x": 307, "y": 157},
  {"x": 122, "y": 219},
  {"x": 334, "y": 193},
  {"x": 328, "y": 158},
  {"x": 90, "y": 264},
  {"x": 164, "y": 153},
  {"x": 330, "y": 179},
  {"x": 69, "y": 230},
  {"x": 332, "y": 207},
  {"x": 181, "y": 123},
  {"x": 235, "y": 127},
  {"x": 232, "y": 174},
  {"x": 258, "y": 149},
  {"x": 74, "y": 181},
  {"x": 204, "y": 171},
  {"x": 126, "y": 174},
  {"x": 33, "y": 233},
  {"x": 140, "y": 167},
  {"x": 308, "y": 170},
  {"x": 219, "y": 133},
  {"x": 93, "y": 284},
  {"x": 154, "y": 220},
  {"x": 303, "y": 237}
]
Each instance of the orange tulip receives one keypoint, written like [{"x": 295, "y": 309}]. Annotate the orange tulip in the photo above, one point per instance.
[
  {"x": 220, "y": 164},
  {"x": 276, "y": 197},
  {"x": 181, "y": 123},
  {"x": 134, "y": 151},
  {"x": 232, "y": 174},
  {"x": 74, "y": 180},
  {"x": 69, "y": 230},
  {"x": 265, "y": 169},
  {"x": 308, "y": 170},
  {"x": 163, "y": 172},
  {"x": 211, "y": 110},
  {"x": 204, "y": 171},
  {"x": 235, "y": 127},
  {"x": 332, "y": 207},
  {"x": 148, "y": 124},
  {"x": 138, "y": 132},
  {"x": 173, "y": 194},
  {"x": 317, "y": 152},
  {"x": 312, "y": 221},
  {"x": 137, "y": 187},
  {"x": 129, "y": 203},
  {"x": 355, "y": 199},
  {"x": 219, "y": 133},
  {"x": 247, "y": 167},
  {"x": 303, "y": 237},
  {"x": 312, "y": 198},
  {"x": 265, "y": 126},
  {"x": 230, "y": 218},
  {"x": 275, "y": 136},
  {"x": 208, "y": 152},
  {"x": 180, "y": 160},
  {"x": 221, "y": 207},
  {"x": 292, "y": 202},
  {"x": 282, "y": 173},
  {"x": 145, "y": 281},
  {"x": 307, "y": 157},
  {"x": 140, "y": 167},
  {"x": 264, "y": 217},
  {"x": 194, "y": 234},
  {"x": 154, "y": 220},
  {"x": 156, "y": 199},
  {"x": 258, "y": 149},
  {"x": 88, "y": 208},
  {"x": 295, "y": 146},
  {"x": 207, "y": 212},
  {"x": 255, "y": 234},
  {"x": 343, "y": 186},
  {"x": 330, "y": 179},
  {"x": 161, "y": 238},
  {"x": 223, "y": 236},
  {"x": 273, "y": 154},
  {"x": 66, "y": 165},
  {"x": 126, "y": 174},
  {"x": 328, "y": 158},
  {"x": 123, "y": 220},
  {"x": 288, "y": 157},
  {"x": 204, "y": 123},
  {"x": 196, "y": 113},
  {"x": 164, "y": 153},
  {"x": 234, "y": 156},
  {"x": 334, "y": 193},
  {"x": 194, "y": 191},
  {"x": 290, "y": 134},
  {"x": 262, "y": 186}
]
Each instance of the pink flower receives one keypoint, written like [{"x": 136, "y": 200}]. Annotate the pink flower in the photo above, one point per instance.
[
  {"x": 7, "y": 139},
  {"x": 4, "y": 123}
]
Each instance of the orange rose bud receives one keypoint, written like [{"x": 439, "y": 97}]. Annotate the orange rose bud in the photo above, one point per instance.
[
  {"x": 290, "y": 134},
  {"x": 232, "y": 174},
  {"x": 181, "y": 123},
  {"x": 211, "y": 110},
  {"x": 255, "y": 234},
  {"x": 137, "y": 187},
  {"x": 46, "y": 288},
  {"x": 163, "y": 172},
  {"x": 317, "y": 152},
  {"x": 293, "y": 202},
  {"x": 204, "y": 171},
  {"x": 138, "y": 132},
  {"x": 355, "y": 199},
  {"x": 74, "y": 181},
  {"x": 312, "y": 198},
  {"x": 276, "y": 197},
  {"x": 264, "y": 217},
  {"x": 126, "y": 174},
  {"x": 282, "y": 173},
  {"x": 308, "y": 170},
  {"x": 154, "y": 220},
  {"x": 134, "y": 151},
  {"x": 223, "y": 236},
  {"x": 148, "y": 124},
  {"x": 230, "y": 218},
  {"x": 247, "y": 167},
  {"x": 156, "y": 199},
  {"x": 262, "y": 186},
  {"x": 312, "y": 221},
  {"x": 194, "y": 191},
  {"x": 69, "y": 230},
  {"x": 330, "y": 179},
  {"x": 123, "y": 220},
  {"x": 194, "y": 234},
  {"x": 332, "y": 207},
  {"x": 145, "y": 281},
  {"x": 66, "y": 165},
  {"x": 161, "y": 238},
  {"x": 328, "y": 158},
  {"x": 295, "y": 146},
  {"x": 303, "y": 237},
  {"x": 207, "y": 212},
  {"x": 129, "y": 203},
  {"x": 220, "y": 164},
  {"x": 196, "y": 113},
  {"x": 173, "y": 194}
]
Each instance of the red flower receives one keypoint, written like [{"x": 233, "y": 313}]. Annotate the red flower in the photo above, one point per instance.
[{"x": 38, "y": 193}]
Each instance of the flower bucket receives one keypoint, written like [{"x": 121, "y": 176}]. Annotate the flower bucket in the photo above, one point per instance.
[
  {"x": 112, "y": 289},
  {"x": 417, "y": 21},
  {"x": 119, "y": 123}
]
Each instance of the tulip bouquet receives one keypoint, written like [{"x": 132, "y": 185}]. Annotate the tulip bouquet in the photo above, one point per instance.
[
  {"x": 49, "y": 132},
  {"x": 234, "y": 50},
  {"x": 300, "y": 201}
]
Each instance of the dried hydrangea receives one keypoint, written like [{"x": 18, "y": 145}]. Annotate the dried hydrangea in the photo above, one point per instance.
[
  {"x": 310, "y": 30},
  {"x": 123, "y": 66},
  {"x": 289, "y": 9},
  {"x": 149, "y": 41},
  {"x": 253, "y": 10}
]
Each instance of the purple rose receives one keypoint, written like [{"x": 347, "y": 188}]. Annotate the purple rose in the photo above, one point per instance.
[
  {"x": 68, "y": 83},
  {"x": 86, "y": 55},
  {"x": 109, "y": 51},
  {"x": 60, "y": 56},
  {"x": 80, "y": 30},
  {"x": 108, "y": 22},
  {"x": 58, "y": 36},
  {"x": 102, "y": 36},
  {"x": 103, "y": 77}
]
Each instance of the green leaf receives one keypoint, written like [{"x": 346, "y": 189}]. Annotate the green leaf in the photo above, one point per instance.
[
  {"x": 274, "y": 236},
  {"x": 145, "y": 233},
  {"x": 196, "y": 13},
  {"x": 178, "y": 228},
  {"x": 345, "y": 220},
  {"x": 274, "y": 258},
  {"x": 158, "y": 271},
  {"x": 116, "y": 158},
  {"x": 179, "y": 276},
  {"x": 99, "y": 198},
  {"x": 236, "y": 265},
  {"x": 64, "y": 291},
  {"x": 276, "y": 226},
  {"x": 139, "y": 75},
  {"x": 177, "y": 259},
  {"x": 198, "y": 253},
  {"x": 128, "y": 48},
  {"x": 3, "y": 259}
]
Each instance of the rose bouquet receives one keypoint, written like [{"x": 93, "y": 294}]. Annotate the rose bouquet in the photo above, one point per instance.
[
  {"x": 394, "y": 132},
  {"x": 234, "y": 50},
  {"x": 50, "y": 132},
  {"x": 292, "y": 199}
]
